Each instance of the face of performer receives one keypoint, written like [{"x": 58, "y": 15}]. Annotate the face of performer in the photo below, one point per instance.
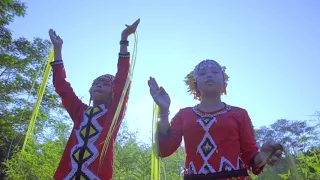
[
  {"x": 101, "y": 91},
  {"x": 210, "y": 80}
]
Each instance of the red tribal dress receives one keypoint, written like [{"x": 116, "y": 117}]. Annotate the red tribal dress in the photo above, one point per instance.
[
  {"x": 81, "y": 156},
  {"x": 218, "y": 145}
]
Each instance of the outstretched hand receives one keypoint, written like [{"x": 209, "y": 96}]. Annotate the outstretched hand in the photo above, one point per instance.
[
  {"x": 130, "y": 29},
  {"x": 159, "y": 95},
  {"x": 55, "y": 39}
]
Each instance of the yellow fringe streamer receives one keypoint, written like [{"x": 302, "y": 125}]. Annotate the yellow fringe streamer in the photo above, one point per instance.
[
  {"x": 155, "y": 162},
  {"x": 39, "y": 99},
  {"x": 27, "y": 101},
  {"x": 124, "y": 92}
]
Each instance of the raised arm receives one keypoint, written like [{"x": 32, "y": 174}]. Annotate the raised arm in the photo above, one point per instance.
[
  {"x": 70, "y": 101},
  {"x": 123, "y": 70},
  {"x": 170, "y": 136},
  {"x": 123, "y": 61}
]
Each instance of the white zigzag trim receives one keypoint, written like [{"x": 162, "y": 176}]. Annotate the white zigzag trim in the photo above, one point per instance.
[
  {"x": 224, "y": 160},
  {"x": 203, "y": 170},
  {"x": 192, "y": 168},
  {"x": 90, "y": 145}
]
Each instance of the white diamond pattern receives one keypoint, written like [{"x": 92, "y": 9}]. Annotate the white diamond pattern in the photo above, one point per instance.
[
  {"x": 207, "y": 146},
  {"x": 206, "y": 168}
]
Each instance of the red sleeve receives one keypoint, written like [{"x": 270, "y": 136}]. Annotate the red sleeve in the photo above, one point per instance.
[
  {"x": 170, "y": 142},
  {"x": 121, "y": 76},
  {"x": 119, "y": 83},
  {"x": 248, "y": 144},
  {"x": 70, "y": 100}
]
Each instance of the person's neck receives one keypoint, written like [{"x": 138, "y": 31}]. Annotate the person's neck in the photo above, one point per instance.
[
  {"x": 210, "y": 103},
  {"x": 98, "y": 103}
]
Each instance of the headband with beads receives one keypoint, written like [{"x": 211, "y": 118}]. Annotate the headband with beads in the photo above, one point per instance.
[
  {"x": 107, "y": 78},
  {"x": 191, "y": 78}
]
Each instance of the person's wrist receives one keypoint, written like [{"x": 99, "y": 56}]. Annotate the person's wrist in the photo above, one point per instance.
[
  {"x": 124, "y": 36},
  {"x": 57, "y": 48},
  {"x": 164, "y": 112}
]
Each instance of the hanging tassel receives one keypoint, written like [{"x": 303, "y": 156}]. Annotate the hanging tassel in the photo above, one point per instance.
[
  {"x": 39, "y": 99},
  {"x": 42, "y": 67},
  {"x": 125, "y": 91},
  {"x": 155, "y": 162}
]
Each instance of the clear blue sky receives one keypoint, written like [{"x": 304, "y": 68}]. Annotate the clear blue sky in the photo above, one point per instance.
[{"x": 271, "y": 50}]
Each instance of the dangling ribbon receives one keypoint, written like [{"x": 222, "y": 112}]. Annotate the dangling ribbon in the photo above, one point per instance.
[
  {"x": 27, "y": 100},
  {"x": 39, "y": 99},
  {"x": 124, "y": 92},
  {"x": 155, "y": 162}
]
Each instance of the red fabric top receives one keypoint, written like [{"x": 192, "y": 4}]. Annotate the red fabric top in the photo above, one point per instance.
[
  {"x": 91, "y": 126},
  {"x": 214, "y": 142}
]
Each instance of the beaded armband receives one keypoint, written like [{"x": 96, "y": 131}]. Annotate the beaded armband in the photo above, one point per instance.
[
  {"x": 124, "y": 56},
  {"x": 165, "y": 114},
  {"x": 56, "y": 62},
  {"x": 124, "y": 42}
]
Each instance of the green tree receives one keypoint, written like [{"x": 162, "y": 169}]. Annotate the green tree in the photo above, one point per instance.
[
  {"x": 174, "y": 165},
  {"x": 21, "y": 62},
  {"x": 38, "y": 162},
  {"x": 133, "y": 159},
  {"x": 296, "y": 136}
]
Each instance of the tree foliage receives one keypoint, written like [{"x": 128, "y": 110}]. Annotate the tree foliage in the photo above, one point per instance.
[
  {"x": 300, "y": 138},
  {"x": 21, "y": 66}
]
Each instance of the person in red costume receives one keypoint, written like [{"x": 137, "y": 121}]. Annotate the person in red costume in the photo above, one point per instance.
[
  {"x": 219, "y": 138},
  {"x": 81, "y": 156}
]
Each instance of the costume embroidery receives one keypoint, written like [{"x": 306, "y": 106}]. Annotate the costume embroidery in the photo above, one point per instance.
[
  {"x": 226, "y": 165},
  {"x": 207, "y": 146},
  {"x": 206, "y": 168},
  {"x": 85, "y": 152},
  {"x": 240, "y": 164}
]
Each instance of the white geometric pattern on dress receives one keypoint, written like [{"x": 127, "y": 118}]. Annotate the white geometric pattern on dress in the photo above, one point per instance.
[
  {"x": 240, "y": 164},
  {"x": 206, "y": 122},
  {"x": 91, "y": 142},
  {"x": 207, "y": 147},
  {"x": 74, "y": 164},
  {"x": 226, "y": 165},
  {"x": 192, "y": 168},
  {"x": 206, "y": 168},
  {"x": 90, "y": 145}
]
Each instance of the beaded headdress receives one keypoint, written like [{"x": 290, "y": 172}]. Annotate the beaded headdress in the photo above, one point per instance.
[
  {"x": 191, "y": 78},
  {"x": 107, "y": 78}
]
